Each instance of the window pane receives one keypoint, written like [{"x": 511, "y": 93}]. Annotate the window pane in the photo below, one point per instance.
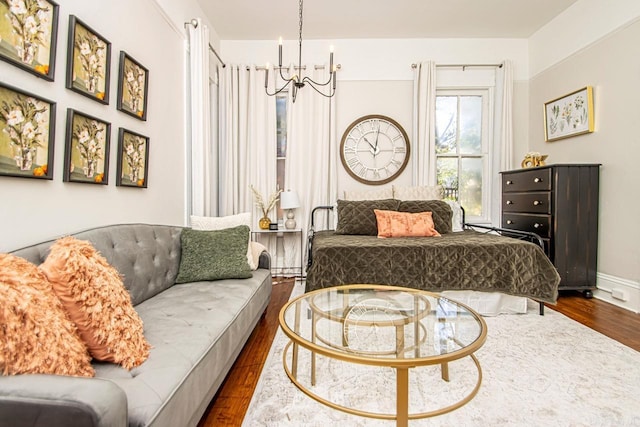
[
  {"x": 447, "y": 168},
  {"x": 471, "y": 186},
  {"x": 446, "y": 124},
  {"x": 280, "y": 182},
  {"x": 281, "y": 125},
  {"x": 470, "y": 124}
]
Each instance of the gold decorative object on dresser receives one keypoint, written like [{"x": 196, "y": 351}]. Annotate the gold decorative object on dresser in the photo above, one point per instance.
[{"x": 560, "y": 204}]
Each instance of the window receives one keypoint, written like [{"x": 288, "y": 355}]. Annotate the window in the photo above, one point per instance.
[
  {"x": 462, "y": 149},
  {"x": 281, "y": 142}
]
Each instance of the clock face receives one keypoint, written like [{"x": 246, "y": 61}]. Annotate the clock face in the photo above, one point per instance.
[
  {"x": 370, "y": 326},
  {"x": 374, "y": 149}
]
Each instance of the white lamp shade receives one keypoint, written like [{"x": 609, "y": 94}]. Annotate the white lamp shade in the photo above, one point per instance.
[{"x": 289, "y": 200}]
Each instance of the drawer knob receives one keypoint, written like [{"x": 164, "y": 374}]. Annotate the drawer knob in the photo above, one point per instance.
[
  {"x": 509, "y": 221},
  {"x": 537, "y": 202},
  {"x": 537, "y": 180},
  {"x": 509, "y": 202},
  {"x": 537, "y": 225},
  {"x": 509, "y": 182}
]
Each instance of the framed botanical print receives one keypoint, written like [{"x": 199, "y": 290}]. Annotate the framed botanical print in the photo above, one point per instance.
[
  {"x": 28, "y": 34},
  {"x": 133, "y": 159},
  {"x": 86, "y": 153},
  {"x": 569, "y": 115},
  {"x": 133, "y": 87},
  {"x": 27, "y": 129},
  {"x": 88, "y": 61}
]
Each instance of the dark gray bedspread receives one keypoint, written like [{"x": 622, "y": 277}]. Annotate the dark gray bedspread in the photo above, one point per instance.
[{"x": 467, "y": 260}]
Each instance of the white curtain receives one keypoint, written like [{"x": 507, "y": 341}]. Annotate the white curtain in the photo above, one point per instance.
[
  {"x": 312, "y": 155},
  {"x": 247, "y": 125},
  {"x": 200, "y": 147},
  {"x": 506, "y": 129},
  {"x": 424, "y": 112}
]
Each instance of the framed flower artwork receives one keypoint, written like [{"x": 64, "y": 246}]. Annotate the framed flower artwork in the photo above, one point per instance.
[
  {"x": 133, "y": 87},
  {"x": 27, "y": 129},
  {"x": 86, "y": 152},
  {"x": 88, "y": 60},
  {"x": 28, "y": 34},
  {"x": 569, "y": 115},
  {"x": 133, "y": 159}
]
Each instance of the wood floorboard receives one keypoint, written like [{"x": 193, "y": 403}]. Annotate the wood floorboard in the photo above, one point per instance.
[{"x": 230, "y": 404}]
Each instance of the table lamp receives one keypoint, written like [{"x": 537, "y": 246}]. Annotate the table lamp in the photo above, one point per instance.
[{"x": 289, "y": 200}]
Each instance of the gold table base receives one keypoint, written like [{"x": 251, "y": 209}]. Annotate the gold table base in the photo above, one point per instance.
[{"x": 402, "y": 415}]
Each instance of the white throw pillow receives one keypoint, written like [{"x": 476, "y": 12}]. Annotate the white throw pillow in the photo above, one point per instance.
[
  {"x": 377, "y": 194},
  {"x": 456, "y": 218},
  {"x": 425, "y": 192},
  {"x": 222, "y": 222}
]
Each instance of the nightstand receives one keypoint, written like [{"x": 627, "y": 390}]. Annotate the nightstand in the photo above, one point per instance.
[{"x": 280, "y": 233}]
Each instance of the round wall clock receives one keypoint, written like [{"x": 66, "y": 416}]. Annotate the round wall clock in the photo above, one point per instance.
[{"x": 374, "y": 149}]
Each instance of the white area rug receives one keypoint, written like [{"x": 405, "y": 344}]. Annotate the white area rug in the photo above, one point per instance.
[{"x": 537, "y": 371}]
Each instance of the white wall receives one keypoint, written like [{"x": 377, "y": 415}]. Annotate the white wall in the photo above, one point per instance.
[
  {"x": 34, "y": 210},
  {"x": 607, "y": 63},
  {"x": 376, "y": 75}
]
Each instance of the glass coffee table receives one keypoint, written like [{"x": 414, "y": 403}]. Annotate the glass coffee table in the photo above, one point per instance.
[{"x": 380, "y": 326}]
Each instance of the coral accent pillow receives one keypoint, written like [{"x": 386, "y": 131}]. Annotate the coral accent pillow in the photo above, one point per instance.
[
  {"x": 96, "y": 300},
  {"x": 36, "y": 336},
  {"x": 405, "y": 224}
]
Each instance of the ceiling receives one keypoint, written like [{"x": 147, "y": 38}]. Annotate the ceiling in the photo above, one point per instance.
[{"x": 345, "y": 19}]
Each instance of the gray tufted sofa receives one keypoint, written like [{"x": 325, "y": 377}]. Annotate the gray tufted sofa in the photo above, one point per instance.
[{"x": 196, "y": 329}]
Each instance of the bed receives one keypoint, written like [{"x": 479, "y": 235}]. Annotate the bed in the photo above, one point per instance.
[{"x": 477, "y": 258}]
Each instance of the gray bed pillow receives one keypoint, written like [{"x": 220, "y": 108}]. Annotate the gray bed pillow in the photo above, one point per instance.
[
  {"x": 358, "y": 217},
  {"x": 442, "y": 212}
]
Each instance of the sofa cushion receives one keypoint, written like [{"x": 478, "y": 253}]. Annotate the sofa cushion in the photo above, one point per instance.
[
  {"x": 405, "y": 224},
  {"x": 441, "y": 212},
  {"x": 358, "y": 217},
  {"x": 36, "y": 336},
  {"x": 97, "y": 302},
  {"x": 214, "y": 255}
]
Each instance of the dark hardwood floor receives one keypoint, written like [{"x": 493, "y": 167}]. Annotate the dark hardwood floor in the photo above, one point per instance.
[{"x": 231, "y": 402}]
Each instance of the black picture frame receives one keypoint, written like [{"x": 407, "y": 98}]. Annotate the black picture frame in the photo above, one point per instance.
[
  {"x": 133, "y": 87},
  {"x": 133, "y": 149},
  {"x": 88, "y": 61},
  {"x": 25, "y": 117},
  {"x": 86, "y": 151},
  {"x": 28, "y": 54}
]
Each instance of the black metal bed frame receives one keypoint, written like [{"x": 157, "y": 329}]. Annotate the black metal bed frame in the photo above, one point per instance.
[{"x": 515, "y": 234}]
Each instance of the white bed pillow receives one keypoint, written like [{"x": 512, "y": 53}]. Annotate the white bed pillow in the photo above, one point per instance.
[
  {"x": 456, "y": 218},
  {"x": 222, "y": 222},
  {"x": 377, "y": 194},
  {"x": 424, "y": 192}
]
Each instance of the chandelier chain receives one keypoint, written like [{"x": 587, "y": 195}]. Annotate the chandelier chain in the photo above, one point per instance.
[{"x": 300, "y": 17}]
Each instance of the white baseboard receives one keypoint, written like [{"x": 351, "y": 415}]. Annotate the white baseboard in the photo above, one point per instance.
[{"x": 621, "y": 292}]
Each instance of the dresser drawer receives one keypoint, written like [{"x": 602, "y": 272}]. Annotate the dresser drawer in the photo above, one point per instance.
[
  {"x": 530, "y": 180},
  {"x": 535, "y": 202},
  {"x": 539, "y": 224}
]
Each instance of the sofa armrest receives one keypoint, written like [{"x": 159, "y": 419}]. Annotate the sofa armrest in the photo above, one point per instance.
[
  {"x": 265, "y": 260},
  {"x": 53, "y": 400}
]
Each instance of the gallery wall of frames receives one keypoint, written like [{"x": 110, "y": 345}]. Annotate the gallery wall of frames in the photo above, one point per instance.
[{"x": 28, "y": 40}]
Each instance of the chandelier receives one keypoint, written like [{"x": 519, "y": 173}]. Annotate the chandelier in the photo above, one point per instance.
[{"x": 296, "y": 80}]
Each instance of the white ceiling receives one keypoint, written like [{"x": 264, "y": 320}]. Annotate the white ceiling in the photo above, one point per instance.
[{"x": 344, "y": 19}]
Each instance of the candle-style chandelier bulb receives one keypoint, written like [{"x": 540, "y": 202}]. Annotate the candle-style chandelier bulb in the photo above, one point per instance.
[{"x": 296, "y": 80}]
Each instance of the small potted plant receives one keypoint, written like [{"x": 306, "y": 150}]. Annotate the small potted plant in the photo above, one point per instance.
[{"x": 264, "y": 222}]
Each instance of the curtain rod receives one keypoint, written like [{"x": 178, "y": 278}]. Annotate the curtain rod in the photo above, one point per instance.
[
  {"x": 304, "y": 67},
  {"x": 414, "y": 65},
  {"x": 194, "y": 22}
]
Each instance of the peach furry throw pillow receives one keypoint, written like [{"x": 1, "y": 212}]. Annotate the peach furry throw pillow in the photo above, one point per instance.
[
  {"x": 96, "y": 300},
  {"x": 36, "y": 337}
]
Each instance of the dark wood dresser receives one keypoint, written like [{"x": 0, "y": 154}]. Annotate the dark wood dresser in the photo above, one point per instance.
[{"x": 559, "y": 203}]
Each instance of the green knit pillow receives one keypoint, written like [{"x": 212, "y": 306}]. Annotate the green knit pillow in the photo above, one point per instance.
[{"x": 214, "y": 255}]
